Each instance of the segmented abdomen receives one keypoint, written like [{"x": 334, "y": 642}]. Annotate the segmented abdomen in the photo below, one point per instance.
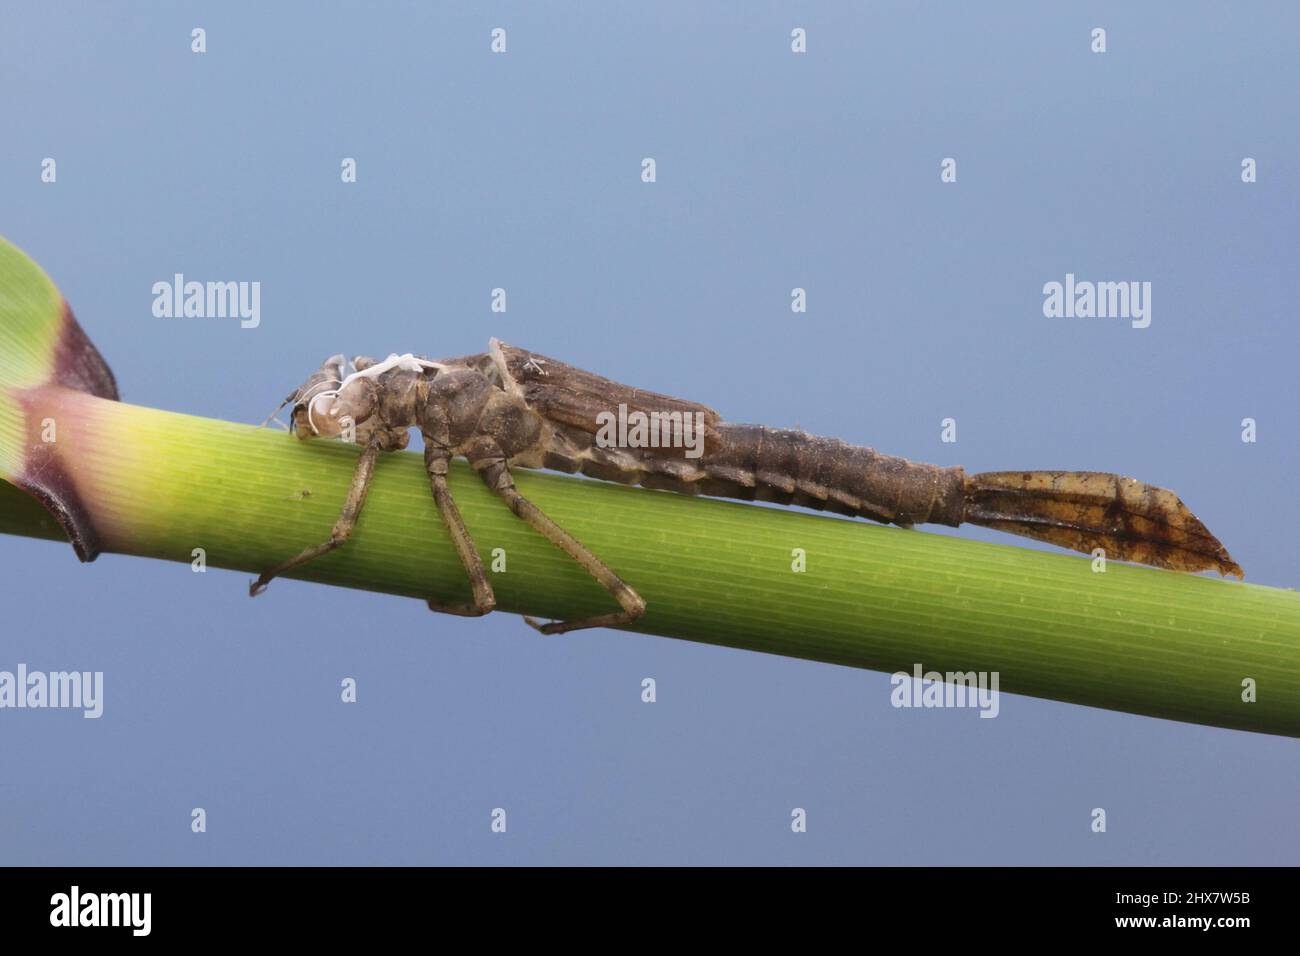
[{"x": 786, "y": 466}]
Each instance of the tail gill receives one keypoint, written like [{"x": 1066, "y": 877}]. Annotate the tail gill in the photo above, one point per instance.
[{"x": 1086, "y": 510}]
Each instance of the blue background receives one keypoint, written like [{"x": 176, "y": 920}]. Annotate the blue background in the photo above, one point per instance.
[{"x": 775, "y": 170}]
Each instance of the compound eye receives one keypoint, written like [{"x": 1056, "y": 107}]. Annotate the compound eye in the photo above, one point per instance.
[{"x": 299, "y": 423}]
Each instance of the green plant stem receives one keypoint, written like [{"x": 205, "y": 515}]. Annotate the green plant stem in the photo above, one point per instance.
[{"x": 1131, "y": 639}]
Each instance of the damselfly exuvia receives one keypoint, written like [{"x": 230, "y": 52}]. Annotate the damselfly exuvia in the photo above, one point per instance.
[{"x": 508, "y": 407}]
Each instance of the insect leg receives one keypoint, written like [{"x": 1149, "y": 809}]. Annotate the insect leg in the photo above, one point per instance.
[
  {"x": 342, "y": 527},
  {"x": 497, "y": 475},
  {"x": 435, "y": 462}
]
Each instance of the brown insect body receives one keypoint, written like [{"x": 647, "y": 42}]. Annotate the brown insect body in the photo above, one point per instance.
[
  {"x": 1083, "y": 511},
  {"x": 509, "y": 407}
]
